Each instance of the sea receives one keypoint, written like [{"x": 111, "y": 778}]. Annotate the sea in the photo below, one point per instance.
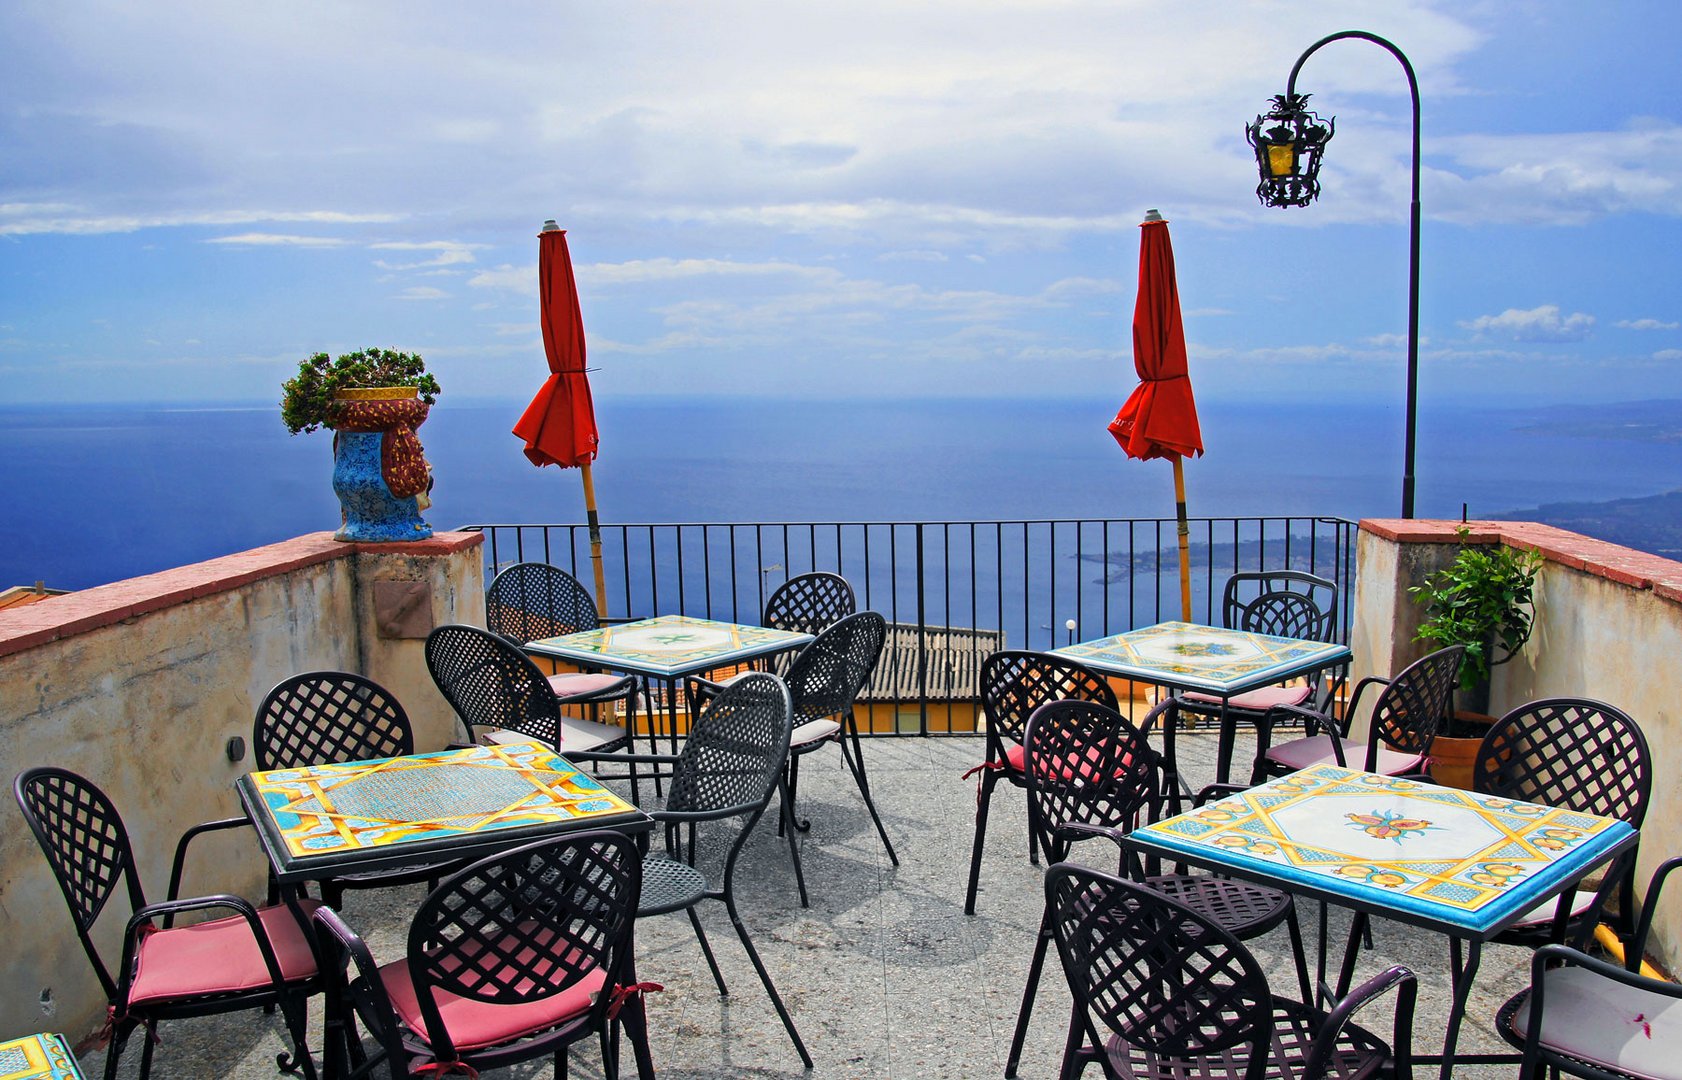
[{"x": 97, "y": 493}]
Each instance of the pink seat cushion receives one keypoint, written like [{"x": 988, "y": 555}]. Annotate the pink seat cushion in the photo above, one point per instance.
[
  {"x": 220, "y": 957},
  {"x": 813, "y": 731},
  {"x": 1592, "y": 1018},
  {"x": 1259, "y": 700},
  {"x": 474, "y": 1025},
  {"x": 1317, "y": 750},
  {"x": 1016, "y": 754},
  {"x": 575, "y": 684}
]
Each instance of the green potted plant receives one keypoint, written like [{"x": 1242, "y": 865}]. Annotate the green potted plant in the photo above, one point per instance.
[
  {"x": 1484, "y": 600},
  {"x": 373, "y": 400}
]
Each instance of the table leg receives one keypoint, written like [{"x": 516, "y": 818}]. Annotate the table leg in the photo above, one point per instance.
[
  {"x": 1223, "y": 752},
  {"x": 1463, "y": 972}
]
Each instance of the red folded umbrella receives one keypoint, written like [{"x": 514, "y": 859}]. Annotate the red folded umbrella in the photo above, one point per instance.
[
  {"x": 559, "y": 426},
  {"x": 1159, "y": 419}
]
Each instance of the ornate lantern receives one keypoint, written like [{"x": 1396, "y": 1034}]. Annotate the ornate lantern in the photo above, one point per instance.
[{"x": 1288, "y": 142}]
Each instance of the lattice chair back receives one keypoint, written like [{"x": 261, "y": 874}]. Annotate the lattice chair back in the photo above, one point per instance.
[
  {"x": 1575, "y": 753},
  {"x": 733, "y": 758},
  {"x": 1410, "y": 711},
  {"x": 1150, "y": 969},
  {"x": 327, "y": 717},
  {"x": 533, "y": 600},
  {"x": 1285, "y": 603},
  {"x": 810, "y": 603},
  {"x": 491, "y": 683},
  {"x": 525, "y": 926},
  {"x": 1085, "y": 764},
  {"x": 86, "y": 845},
  {"x": 1015, "y": 682},
  {"x": 829, "y": 673}
]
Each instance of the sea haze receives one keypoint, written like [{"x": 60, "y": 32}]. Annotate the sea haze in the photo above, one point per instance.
[{"x": 103, "y": 493}]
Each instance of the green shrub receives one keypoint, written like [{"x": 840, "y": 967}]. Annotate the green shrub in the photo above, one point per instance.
[
  {"x": 1485, "y": 601},
  {"x": 306, "y": 400}
]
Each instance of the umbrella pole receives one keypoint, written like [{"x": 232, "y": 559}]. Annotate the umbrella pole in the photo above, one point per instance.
[
  {"x": 1184, "y": 532},
  {"x": 596, "y": 538}
]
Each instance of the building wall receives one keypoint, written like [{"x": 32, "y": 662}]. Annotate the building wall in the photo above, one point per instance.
[
  {"x": 1608, "y": 626},
  {"x": 140, "y": 685}
]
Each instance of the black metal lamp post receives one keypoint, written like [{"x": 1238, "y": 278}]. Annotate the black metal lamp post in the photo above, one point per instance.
[{"x": 1288, "y": 141}]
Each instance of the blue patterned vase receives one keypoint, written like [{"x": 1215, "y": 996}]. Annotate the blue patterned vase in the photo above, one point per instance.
[{"x": 372, "y": 514}]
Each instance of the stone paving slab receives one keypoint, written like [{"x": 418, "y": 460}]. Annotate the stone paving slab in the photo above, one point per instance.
[{"x": 884, "y": 974}]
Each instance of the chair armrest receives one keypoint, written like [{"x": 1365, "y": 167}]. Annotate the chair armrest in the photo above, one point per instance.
[
  {"x": 676, "y": 817},
  {"x": 1325, "y": 1040},
  {"x": 341, "y": 946},
  {"x": 171, "y": 908},
  {"x": 1355, "y": 698},
  {"x": 1166, "y": 705},
  {"x": 612, "y": 757},
  {"x": 1217, "y": 791},
  {"x": 178, "y": 867},
  {"x": 697, "y": 692}
]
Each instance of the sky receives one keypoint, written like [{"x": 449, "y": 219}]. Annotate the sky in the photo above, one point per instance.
[{"x": 884, "y": 200}]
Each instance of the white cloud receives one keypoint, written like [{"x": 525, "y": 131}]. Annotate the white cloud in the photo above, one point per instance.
[
  {"x": 506, "y": 278},
  {"x": 1542, "y": 323},
  {"x": 422, "y": 292},
  {"x": 1668, "y": 355},
  {"x": 277, "y": 240},
  {"x": 643, "y": 270},
  {"x": 1645, "y": 324}
]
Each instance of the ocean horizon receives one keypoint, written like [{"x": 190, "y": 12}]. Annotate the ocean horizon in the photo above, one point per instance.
[{"x": 105, "y": 492}]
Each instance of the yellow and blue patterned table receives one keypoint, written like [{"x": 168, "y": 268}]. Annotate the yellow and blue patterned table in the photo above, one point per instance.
[
  {"x": 1458, "y": 863},
  {"x": 38, "y": 1057},
  {"x": 668, "y": 647},
  {"x": 1217, "y": 661},
  {"x": 331, "y": 820}
]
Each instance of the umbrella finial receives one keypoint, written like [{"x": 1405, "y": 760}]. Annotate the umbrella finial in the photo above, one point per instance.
[
  {"x": 1152, "y": 215},
  {"x": 550, "y": 226}
]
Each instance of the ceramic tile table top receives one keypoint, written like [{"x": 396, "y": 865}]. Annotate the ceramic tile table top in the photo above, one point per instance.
[
  {"x": 668, "y": 646},
  {"x": 1466, "y": 864},
  {"x": 1186, "y": 656},
  {"x": 1207, "y": 658},
  {"x": 38, "y": 1057},
  {"x": 452, "y": 804}
]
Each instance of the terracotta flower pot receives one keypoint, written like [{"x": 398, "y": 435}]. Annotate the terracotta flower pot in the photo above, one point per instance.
[{"x": 1452, "y": 756}]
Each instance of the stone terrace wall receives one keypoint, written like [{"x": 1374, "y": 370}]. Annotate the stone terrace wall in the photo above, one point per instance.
[
  {"x": 1608, "y": 626},
  {"x": 140, "y": 684}
]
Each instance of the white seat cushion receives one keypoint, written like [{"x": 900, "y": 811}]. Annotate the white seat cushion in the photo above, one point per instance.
[
  {"x": 814, "y": 731},
  {"x": 576, "y": 734},
  {"x": 1317, "y": 750},
  {"x": 1591, "y": 1017},
  {"x": 1543, "y": 914}
]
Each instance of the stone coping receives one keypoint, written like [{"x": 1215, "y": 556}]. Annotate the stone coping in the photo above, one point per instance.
[
  {"x": 1623, "y": 565},
  {"x": 58, "y": 617}
]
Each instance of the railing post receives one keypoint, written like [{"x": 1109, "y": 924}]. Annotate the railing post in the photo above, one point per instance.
[{"x": 922, "y": 640}]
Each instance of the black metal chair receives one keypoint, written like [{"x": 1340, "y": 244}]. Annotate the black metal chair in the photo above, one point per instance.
[
  {"x": 1586, "y": 1017},
  {"x": 730, "y": 766},
  {"x": 256, "y": 957},
  {"x": 533, "y": 600},
  {"x": 493, "y": 685},
  {"x": 328, "y": 717},
  {"x": 1406, "y": 716},
  {"x": 1092, "y": 773},
  {"x": 1581, "y": 755},
  {"x": 1283, "y": 603},
  {"x": 1163, "y": 992},
  {"x": 1014, "y": 683},
  {"x": 515, "y": 957},
  {"x": 810, "y": 603}
]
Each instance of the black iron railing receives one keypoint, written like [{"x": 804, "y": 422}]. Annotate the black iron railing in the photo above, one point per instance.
[{"x": 951, "y": 586}]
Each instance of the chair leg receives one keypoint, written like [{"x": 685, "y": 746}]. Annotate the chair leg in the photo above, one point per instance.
[
  {"x": 983, "y": 798},
  {"x": 785, "y": 814},
  {"x": 793, "y": 790},
  {"x": 707, "y": 951},
  {"x": 296, "y": 1012},
  {"x": 1073, "y": 1060},
  {"x": 148, "y": 1043},
  {"x": 857, "y": 767},
  {"x": 1035, "y": 966},
  {"x": 561, "y": 1064},
  {"x": 634, "y": 1018},
  {"x": 765, "y": 977}
]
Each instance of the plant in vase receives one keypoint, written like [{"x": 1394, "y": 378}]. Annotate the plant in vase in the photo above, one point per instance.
[
  {"x": 373, "y": 400},
  {"x": 1484, "y": 600}
]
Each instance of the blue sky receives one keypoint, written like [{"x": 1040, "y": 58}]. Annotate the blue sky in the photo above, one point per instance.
[{"x": 857, "y": 199}]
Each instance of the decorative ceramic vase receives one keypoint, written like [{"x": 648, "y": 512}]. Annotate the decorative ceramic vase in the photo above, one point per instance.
[{"x": 379, "y": 471}]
